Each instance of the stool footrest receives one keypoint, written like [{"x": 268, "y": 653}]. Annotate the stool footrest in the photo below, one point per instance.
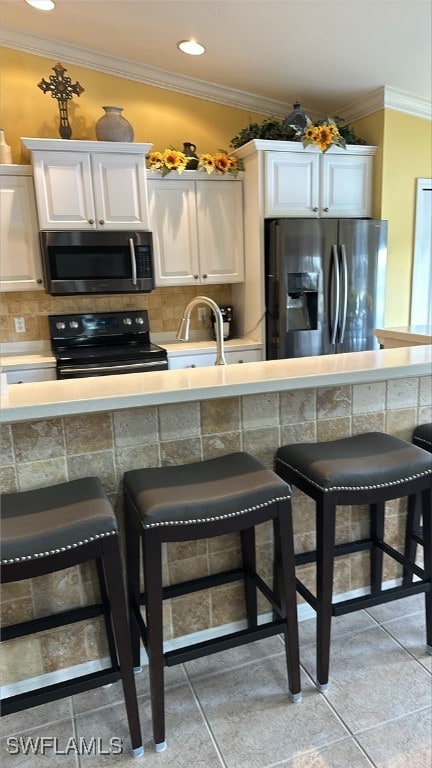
[
  {"x": 195, "y": 585},
  {"x": 385, "y": 596},
  {"x": 224, "y": 642},
  {"x": 60, "y": 690},
  {"x": 82, "y": 613},
  {"x": 302, "y": 558}
]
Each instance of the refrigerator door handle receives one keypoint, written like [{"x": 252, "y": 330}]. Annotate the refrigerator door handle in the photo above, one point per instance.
[
  {"x": 344, "y": 292},
  {"x": 334, "y": 291}
]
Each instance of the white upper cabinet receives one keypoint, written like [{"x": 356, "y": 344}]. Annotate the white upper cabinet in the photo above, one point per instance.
[
  {"x": 306, "y": 182},
  {"x": 90, "y": 185},
  {"x": 21, "y": 268},
  {"x": 197, "y": 226}
]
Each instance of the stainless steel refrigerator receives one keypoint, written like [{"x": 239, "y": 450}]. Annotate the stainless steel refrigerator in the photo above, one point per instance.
[{"x": 325, "y": 285}]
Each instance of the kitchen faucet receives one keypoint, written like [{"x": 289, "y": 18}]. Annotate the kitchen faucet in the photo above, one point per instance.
[{"x": 183, "y": 330}]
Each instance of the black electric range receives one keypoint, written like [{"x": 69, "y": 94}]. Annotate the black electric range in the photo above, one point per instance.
[{"x": 104, "y": 343}]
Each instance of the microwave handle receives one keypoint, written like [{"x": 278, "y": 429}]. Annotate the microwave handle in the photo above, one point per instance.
[{"x": 133, "y": 261}]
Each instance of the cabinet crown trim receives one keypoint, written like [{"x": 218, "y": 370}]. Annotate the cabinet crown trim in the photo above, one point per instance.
[
  {"x": 72, "y": 145},
  {"x": 256, "y": 145}
]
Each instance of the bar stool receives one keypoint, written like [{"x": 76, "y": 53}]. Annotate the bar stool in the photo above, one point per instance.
[
  {"x": 202, "y": 500},
  {"x": 370, "y": 469},
  {"x": 422, "y": 436},
  {"x": 47, "y": 530}
]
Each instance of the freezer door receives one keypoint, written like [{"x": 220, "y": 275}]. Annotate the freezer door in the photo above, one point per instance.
[
  {"x": 362, "y": 256},
  {"x": 298, "y": 256}
]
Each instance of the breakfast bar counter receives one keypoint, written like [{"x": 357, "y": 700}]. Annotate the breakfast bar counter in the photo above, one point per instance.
[
  {"x": 50, "y": 399},
  {"x": 55, "y": 431}
]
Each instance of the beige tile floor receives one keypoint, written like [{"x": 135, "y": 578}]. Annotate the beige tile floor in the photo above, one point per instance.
[{"x": 231, "y": 710}]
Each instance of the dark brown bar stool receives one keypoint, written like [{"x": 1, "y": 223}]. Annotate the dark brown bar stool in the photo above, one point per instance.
[
  {"x": 422, "y": 436},
  {"x": 202, "y": 500},
  {"x": 47, "y": 530},
  {"x": 365, "y": 469}
]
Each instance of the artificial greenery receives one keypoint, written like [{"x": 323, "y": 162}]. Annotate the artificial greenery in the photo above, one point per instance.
[{"x": 278, "y": 130}]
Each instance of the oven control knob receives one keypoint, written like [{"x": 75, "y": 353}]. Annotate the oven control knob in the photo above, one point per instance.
[
  {"x": 73, "y": 324},
  {"x": 139, "y": 320},
  {"x": 61, "y": 326},
  {"x": 127, "y": 321}
]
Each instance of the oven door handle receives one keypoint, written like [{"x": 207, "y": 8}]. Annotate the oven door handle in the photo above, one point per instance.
[
  {"x": 133, "y": 261},
  {"x": 114, "y": 368}
]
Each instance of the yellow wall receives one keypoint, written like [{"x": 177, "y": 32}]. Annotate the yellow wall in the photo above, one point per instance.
[
  {"x": 404, "y": 155},
  {"x": 158, "y": 116},
  {"x": 165, "y": 118},
  {"x": 407, "y": 157}
]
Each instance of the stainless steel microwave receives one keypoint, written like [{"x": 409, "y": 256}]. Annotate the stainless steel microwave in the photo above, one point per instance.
[{"x": 77, "y": 262}]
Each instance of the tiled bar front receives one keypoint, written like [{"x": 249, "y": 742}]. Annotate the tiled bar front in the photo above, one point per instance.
[{"x": 43, "y": 452}]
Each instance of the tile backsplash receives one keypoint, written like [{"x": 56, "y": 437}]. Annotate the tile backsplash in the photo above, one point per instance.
[{"x": 165, "y": 307}]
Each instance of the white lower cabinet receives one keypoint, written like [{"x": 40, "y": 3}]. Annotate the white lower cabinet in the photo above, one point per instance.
[
  {"x": 197, "y": 226},
  {"x": 175, "y": 362},
  {"x": 21, "y": 266},
  {"x": 28, "y": 375}
]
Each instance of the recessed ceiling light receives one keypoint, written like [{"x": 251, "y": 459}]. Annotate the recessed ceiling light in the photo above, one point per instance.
[
  {"x": 41, "y": 5},
  {"x": 191, "y": 47}
]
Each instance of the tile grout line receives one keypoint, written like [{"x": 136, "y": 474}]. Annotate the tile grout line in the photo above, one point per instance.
[{"x": 205, "y": 721}]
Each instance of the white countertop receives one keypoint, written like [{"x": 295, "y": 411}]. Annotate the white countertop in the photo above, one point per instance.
[
  {"x": 39, "y": 355},
  {"x": 51, "y": 399},
  {"x": 177, "y": 348},
  {"x": 414, "y": 334}
]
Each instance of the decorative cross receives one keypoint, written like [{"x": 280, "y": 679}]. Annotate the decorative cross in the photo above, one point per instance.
[{"x": 61, "y": 88}]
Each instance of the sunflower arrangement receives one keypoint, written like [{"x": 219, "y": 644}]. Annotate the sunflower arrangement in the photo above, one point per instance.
[
  {"x": 169, "y": 160},
  {"x": 324, "y": 135},
  {"x": 220, "y": 163}
]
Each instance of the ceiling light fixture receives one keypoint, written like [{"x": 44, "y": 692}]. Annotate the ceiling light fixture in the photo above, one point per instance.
[
  {"x": 41, "y": 5},
  {"x": 191, "y": 47}
]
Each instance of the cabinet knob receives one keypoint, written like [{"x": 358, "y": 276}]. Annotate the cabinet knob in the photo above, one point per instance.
[
  {"x": 193, "y": 365},
  {"x": 196, "y": 277},
  {"x": 241, "y": 361},
  {"x": 205, "y": 276},
  {"x": 315, "y": 209},
  {"x": 326, "y": 210},
  {"x": 39, "y": 281},
  {"x": 91, "y": 221},
  {"x": 101, "y": 221}
]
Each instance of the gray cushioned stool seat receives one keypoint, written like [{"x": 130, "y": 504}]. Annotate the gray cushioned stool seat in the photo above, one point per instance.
[
  {"x": 362, "y": 462},
  {"x": 422, "y": 436},
  {"x": 46, "y": 521},
  {"x": 46, "y": 530},
  {"x": 209, "y": 490},
  {"x": 371, "y": 469},
  {"x": 227, "y": 494}
]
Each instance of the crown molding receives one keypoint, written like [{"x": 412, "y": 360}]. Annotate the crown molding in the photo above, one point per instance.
[
  {"x": 384, "y": 97},
  {"x": 141, "y": 73}
]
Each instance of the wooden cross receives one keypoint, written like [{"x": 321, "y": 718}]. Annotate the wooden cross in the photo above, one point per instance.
[{"x": 61, "y": 88}]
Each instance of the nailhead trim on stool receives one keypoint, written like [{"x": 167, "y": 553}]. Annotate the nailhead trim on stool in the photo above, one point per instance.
[
  {"x": 364, "y": 469},
  {"x": 46, "y": 530},
  {"x": 228, "y": 494}
]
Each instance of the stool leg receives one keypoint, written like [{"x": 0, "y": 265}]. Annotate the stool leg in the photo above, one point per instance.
[
  {"x": 325, "y": 532},
  {"x": 284, "y": 563},
  {"x": 152, "y": 563},
  {"x": 412, "y": 526},
  {"x": 427, "y": 556},
  {"x": 377, "y": 512},
  {"x": 132, "y": 551},
  {"x": 107, "y": 611},
  {"x": 247, "y": 537},
  {"x": 117, "y": 598}
]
